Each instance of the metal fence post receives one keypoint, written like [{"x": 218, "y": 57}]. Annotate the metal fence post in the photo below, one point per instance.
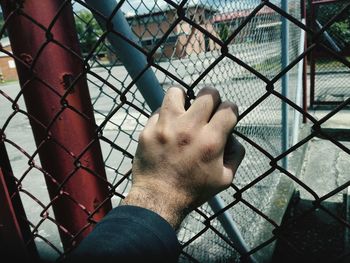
[
  {"x": 312, "y": 55},
  {"x": 153, "y": 95},
  {"x": 305, "y": 61},
  {"x": 133, "y": 59},
  {"x": 15, "y": 235},
  {"x": 285, "y": 81},
  {"x": 53, "y": 20},
  {"x": 11, "y": 238},
  {"x": 299, "y": 92}
]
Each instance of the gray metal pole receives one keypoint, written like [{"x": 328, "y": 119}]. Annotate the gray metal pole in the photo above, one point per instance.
[
  {"x": 328, "y": 37},
  {"x": 230, "y": 227},
  {"x": 134, "y": 61},
  {"x": 285, "y": 81},
  {"x": 298, "y": 97}
]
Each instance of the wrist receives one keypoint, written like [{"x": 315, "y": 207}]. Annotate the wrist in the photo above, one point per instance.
[{"x": 168, "y": 205}]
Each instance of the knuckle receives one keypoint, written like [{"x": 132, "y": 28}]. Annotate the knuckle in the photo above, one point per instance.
[
  {"x": 176, "y": 89},
  {"x": 172, "y": 100},
  {"x": 183, "y": 139},
  {"x": 225, "y": 183},
  {"x": 232, "y": 106},
  {"x": 209, "y": 90},
  {"x": 144, "y": 137},
  {"x": 208, "y": 151},
  {"x": 232, "y": 110},
  {"x": 162, "y": 135},
  {"x": 158, "y": 134}
]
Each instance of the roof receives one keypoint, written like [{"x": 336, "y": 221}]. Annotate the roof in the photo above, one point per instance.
[
  {"x": 201, "y": 6},
  {"x": 240, "y": 14}
]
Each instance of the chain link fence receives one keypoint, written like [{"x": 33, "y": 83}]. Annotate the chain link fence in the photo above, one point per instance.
[
  {"x": 327, "y": 90},
  {"x": 234, "y": 46}
]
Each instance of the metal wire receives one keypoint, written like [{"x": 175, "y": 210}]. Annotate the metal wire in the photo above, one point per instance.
[
  {"x": 326, "y": 92},
  {"x": 233, "y": 46}
]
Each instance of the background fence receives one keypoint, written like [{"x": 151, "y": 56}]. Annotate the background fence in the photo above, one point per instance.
[
  {"x": 59, "y": 174},
  {"x": 324, "y": 89}
]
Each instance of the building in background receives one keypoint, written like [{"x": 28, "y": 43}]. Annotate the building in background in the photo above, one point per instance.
[
  {"x": 184, "y": 38},
  {"x": 7, "y": 64},
  {"x": 265, "y": 24}
]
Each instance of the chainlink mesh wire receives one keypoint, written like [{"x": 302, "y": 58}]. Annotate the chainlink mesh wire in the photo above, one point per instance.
[
  {"x": 234, "y": 46},
  {"x": 331, "y": 91}
]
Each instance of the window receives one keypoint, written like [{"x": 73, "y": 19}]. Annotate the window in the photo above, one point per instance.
[
  {"x": 171, "y": 39},
  {"x": 147, "y": 42}
]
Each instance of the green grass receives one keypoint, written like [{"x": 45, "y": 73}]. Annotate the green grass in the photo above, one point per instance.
[
  {"x": 330, "y": 63},
  {"x": 8, "y": 82}
]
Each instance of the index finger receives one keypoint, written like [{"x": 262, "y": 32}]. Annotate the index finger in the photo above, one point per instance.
[{"x": 173, "y": 102}]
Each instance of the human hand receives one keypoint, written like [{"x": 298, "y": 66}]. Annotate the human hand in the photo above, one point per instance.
[{"x": 185, "y": 157}]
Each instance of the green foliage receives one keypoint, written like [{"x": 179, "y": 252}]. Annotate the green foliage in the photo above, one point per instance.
[
  {"x": 2, "y": 23},
  {"x": 340, "y": 29},
  {"x": 223, "y": 31},
  {"x": 88, "y": 30}
]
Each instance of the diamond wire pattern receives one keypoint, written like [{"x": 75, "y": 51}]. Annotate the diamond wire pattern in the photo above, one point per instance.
[{"x": 237, "y": 66}]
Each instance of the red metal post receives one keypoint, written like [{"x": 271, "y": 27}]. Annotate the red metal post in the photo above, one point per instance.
[
  {"x": 70, "y": 132},
  {"x": 15, "y": 233},
  {"x": 11, "y": 238}
]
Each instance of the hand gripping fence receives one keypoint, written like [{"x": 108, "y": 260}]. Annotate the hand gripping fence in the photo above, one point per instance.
[
  {"x": 153, "y": 93},
  {"x": 91, "y": 72}
]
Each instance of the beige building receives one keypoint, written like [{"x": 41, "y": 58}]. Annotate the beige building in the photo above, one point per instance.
[
  {"x": 184, "y": 38},
  {"x": 7, "y": 64},
  {"x": 265, "y": 25}
]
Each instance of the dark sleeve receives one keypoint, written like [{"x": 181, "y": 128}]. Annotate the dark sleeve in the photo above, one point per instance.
[{"x": 129, "y": 234}]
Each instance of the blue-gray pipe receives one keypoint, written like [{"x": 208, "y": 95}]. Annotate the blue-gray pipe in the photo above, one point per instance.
[
  {"x": 285, "y": 81},
  {"x": 135, "y": 61},
  {"x": 328, "y": 37}
]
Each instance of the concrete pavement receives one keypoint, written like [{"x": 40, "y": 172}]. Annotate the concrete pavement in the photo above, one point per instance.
[{"x": 318, "y": 235}]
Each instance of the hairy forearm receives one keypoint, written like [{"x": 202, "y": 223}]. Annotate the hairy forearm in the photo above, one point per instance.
[{"x": 160, "y": 201}]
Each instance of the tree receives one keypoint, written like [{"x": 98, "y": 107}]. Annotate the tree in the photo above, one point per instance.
[
  {"x": 88, "y": 30},
  {"x": 340, "y": 29},
  {"x": 223, "y": 31},
  {"x": 2, "y": 23}
]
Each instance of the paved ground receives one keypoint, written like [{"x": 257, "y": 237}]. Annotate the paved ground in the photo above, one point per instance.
[
  {"x": 332, "y": 85},
  {"x": 326, "y": 167},
  {"x": 318, "y": 236}
]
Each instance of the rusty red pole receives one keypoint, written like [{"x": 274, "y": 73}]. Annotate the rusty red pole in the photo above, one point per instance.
[
  {"x": 70, "y": 132},
  {"x": 15, "y": 235},
  {"x": 11, "y": 238}
]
